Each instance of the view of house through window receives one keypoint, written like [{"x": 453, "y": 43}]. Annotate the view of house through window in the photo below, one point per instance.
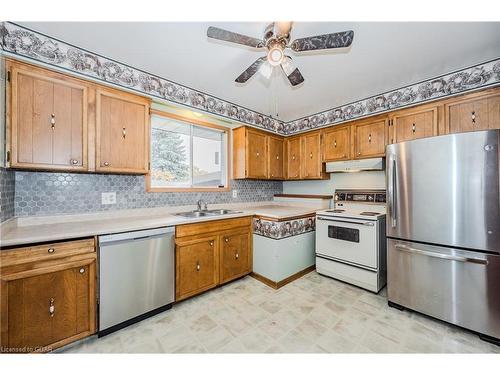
[{"x": 185, "y": 155}]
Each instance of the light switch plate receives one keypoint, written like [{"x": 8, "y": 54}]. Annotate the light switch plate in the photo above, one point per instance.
[
  {"x": 108, "y": 198},
  {"x": 235, "y": 193}
]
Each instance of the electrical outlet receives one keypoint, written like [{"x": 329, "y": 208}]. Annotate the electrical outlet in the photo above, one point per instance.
[
  {"x": 108, "y": 198},
  {"x": 235, "y": 193}
]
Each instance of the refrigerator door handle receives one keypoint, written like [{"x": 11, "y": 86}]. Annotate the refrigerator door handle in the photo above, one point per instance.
[
  {"x": 440, "y": 255},
  {"x": 392, "y": 191}
]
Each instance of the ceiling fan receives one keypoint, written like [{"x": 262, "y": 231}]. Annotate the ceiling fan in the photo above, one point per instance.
[{"x": 276, "y": 40}]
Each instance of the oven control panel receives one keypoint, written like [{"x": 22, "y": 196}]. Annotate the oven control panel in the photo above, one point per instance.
[{"x": 375, "y": 196}]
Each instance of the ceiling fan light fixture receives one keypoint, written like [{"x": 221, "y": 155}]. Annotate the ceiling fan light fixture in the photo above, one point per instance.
[{"x": 275, "y": 55}]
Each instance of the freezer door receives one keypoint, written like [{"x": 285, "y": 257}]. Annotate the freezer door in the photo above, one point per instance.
[
  {"x": 445, "y": 190},
  {"x": 457, "y": 286}
]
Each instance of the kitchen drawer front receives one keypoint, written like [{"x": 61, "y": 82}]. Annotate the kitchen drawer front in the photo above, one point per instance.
[
  {"x": 457, "y": 286},
  {"x": 211, "y": 226},
  {"x": 45, "y": 252}
]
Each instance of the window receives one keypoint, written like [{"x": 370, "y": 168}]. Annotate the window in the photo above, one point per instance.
[{"x": 187, "y": 155}]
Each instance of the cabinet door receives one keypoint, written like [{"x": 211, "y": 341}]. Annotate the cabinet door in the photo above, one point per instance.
[
  {"x": 336, "y": 143},
  {"x": 473, "y": 114},
  {"x": 311, "y": 157},
  {"x": 256, "y": 155},
  {"x": 235, "y": 255},
  {"x": 52, "y": 308},
  {"x": 275, "y": 158},
  {"x": 196, "y": 266},
  {"x": 414, "y": 123},
  {"x": 48, "y": 121},
  {"x": 369, "y": 138},
  {"x": 122, "y": 129},
  {"x": 293, "y": 158}
]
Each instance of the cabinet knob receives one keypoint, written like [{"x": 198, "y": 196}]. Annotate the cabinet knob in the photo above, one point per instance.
[
  {"x": 52, "y": 120},
  {"x": 226, "y": 239},
  {"x": 359, "y": 153},
  {"x": 124, "y": 132},
  {"x": 82, "y": 270},
  {"x": 277, "y": 157},
  {"x": 198, "y": 266},
  {"x": 293, "y": 157},
  {"x": 258, "y": 154},
  {"x": 74, "y": 161},
  {"x": 211, "y": 243},
  {"x": 335, "y": 144},
  {"x": 473, "y": 117},
  {"x": 236, "y": 256},
  {"x": 413, "y": 127},
  {"x": 311, "y": 155},
  {"x": 369, "y": 138},
  {"x": 51, "y": 250},
  {"x": 106, "y": 164},
  {"x": 52, "y": 308}
]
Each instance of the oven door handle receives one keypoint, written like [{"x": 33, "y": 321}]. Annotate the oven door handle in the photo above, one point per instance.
[
  {"x": 432, "y": 254},
  {"x": 367, "y": 223}
]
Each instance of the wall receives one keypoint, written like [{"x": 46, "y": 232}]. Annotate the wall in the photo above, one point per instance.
[
  {"x": 355, "y": 180},
  {"x": 48, "y": 193}
]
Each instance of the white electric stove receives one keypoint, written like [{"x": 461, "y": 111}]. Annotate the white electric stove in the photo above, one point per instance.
[{"x": 350, "y": 239}]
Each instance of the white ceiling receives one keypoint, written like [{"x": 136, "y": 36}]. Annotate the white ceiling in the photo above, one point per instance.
[{"x": 383, "y": 56}]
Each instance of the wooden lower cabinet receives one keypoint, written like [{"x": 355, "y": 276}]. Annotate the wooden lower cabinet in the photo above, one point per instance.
[
  {"x": 235, "y": 255},
  {"x": 212, "y": 253},
  {"x": 197, "y": 264},
  {"x": 47, "y": 304}
]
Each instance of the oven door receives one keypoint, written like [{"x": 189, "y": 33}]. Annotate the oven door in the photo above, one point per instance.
[{"x": 347, "y": 240}]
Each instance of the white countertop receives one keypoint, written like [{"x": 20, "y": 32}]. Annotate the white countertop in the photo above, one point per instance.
[{"x": 28, "y": 230}]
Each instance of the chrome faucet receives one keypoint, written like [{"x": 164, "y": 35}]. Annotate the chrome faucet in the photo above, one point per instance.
[{"x": 201, "y": 203}]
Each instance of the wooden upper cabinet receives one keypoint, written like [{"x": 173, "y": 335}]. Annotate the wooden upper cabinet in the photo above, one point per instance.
[
  {"x": 122, "y": 132},
  {"x": 276, "y": 158},
  {"x": 256, "y": 145},
  {"x": 294, "y": 156},
  {"x": 311, "y": 156},
  {"x": 369, "y": 137},
  {"x": 477, "y": 111},
  {"x": 48, "y": 119},
  {"x": 414, "y": 123},
  {"x": 336, "y": 143},
  {"x": 235, "y": 254}
]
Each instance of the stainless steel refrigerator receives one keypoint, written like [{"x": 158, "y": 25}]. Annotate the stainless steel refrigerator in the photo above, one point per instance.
[{"x": 443, "y": 229}]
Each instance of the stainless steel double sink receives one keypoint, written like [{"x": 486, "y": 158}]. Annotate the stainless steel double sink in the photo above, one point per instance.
[{"x": 205, "y": 213}]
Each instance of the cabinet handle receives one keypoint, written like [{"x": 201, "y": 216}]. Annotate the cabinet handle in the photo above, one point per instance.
[
  {"x": 198, "y": 266},
  {"x": 311, "y": 155},
  {"x": 52, "y": 121},
  {"x": 226, "y": 239},
  {"x": 74, "y": 161},
  {"x": 413, "y": 127},
  {"x": 359, "y": 153},
  {"x": 258, "y": 154},
  {"x": 293, "y": 157},
  {"x": 106, "y": 164},
  {"x": 236, "y": 256},
  {"x": 124, "y": 132},
  {"x": 82, "y": 270},
  {"x": 473, "y": 117},
  {"x": 52, "y": 308},
  {"x": 211, "y": 243},
  {"x": 335, "y": 144},
  {"x": 51, "y": 250},
  {"x": 277, "y": 157},
  {"x": 369, "y": 138}
]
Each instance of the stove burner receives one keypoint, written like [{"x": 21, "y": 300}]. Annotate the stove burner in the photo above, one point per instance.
[{"x": 369, "y": 213}]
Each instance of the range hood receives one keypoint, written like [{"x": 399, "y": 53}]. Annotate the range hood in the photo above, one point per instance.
[{"x": 373, "y": 164}]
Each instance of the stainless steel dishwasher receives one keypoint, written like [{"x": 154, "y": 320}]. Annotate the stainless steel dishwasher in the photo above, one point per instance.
[{"x": 136, "y": 277}]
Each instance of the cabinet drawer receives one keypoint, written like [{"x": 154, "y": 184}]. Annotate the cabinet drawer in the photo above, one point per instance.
[
  {"x": 211, "y": 226},
  {"x": 50, "y": 251}
]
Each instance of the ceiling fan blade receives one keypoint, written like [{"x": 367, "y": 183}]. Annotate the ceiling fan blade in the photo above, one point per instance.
[
  {"x": 251, "y": 70},
  {"x": 326, "y": 41},
  {"x": 229, "y": 36},
  {"x": 293, "y": 74}
]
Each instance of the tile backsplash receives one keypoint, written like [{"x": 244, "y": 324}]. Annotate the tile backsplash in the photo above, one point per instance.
[
  {"x": 7, "y": 194},
  {"x": 48, "y": 193}
]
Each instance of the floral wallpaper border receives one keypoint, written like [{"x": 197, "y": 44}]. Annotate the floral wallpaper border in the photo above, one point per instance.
[
  {"x": 278, "y": 230},
  {"x": 472, "y": 78},
  {"x": 24, "y": 42}
]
